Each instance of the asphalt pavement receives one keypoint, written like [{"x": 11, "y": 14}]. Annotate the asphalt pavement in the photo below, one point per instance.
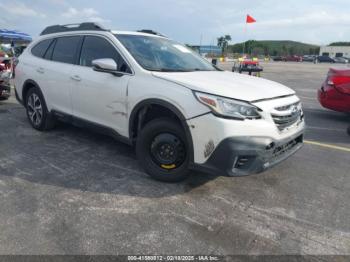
[{"x": 72, "y": 191}]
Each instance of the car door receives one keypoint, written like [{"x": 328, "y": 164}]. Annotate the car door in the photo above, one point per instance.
[
  {"x": 101, "y": 97},
  {"x": 58, "y": 72},
  {"x": 35, "y": 64}
]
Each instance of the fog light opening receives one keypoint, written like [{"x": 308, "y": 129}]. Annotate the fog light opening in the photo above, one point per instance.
[
  {"x": 240, "y": 162},
  {"x": 234, "y": 163}
]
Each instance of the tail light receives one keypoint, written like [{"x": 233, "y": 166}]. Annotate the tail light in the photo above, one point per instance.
[{"x": 341, "y": 82}]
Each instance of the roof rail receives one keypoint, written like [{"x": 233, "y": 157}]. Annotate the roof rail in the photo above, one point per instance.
[
  {"x": 149, "y": 31},
  {"x": 73, "y": 27}
]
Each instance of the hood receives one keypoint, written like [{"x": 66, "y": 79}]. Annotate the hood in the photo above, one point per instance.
[{"x": 228, "y": 84}]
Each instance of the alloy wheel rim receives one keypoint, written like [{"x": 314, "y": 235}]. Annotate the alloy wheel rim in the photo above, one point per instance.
[{"x": 35, "y": 110}]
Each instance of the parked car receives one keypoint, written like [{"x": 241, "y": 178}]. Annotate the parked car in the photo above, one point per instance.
[
  {"x": 335, "y": 91},
  {"x": 252, "y": 67},
  {"x": 19, "y": 50},
  {"x": 309, "y": 58},
  {"x": 5, "y": 76},
  {"x": 293, "y": 58},
  {"x": 278, "y": 58},
  {"x": 341, "y": 60},
  {"x": 178, "y": 110},
  {"x": 324, "y": 59},
  {"x": 5, "y": 89}
]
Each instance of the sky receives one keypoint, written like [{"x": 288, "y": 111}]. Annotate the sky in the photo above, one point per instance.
[{"x": 191, "y": 21}]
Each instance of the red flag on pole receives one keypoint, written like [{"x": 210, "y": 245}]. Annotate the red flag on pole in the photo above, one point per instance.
[{"x": 250, "y": 19}]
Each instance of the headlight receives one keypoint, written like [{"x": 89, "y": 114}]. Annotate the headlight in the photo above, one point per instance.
[{"x": 230, "y": 108}]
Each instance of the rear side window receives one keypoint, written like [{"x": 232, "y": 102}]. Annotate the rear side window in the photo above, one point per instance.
[
  {"x": 49, "y": 51},
  {"x": 65, "y": 49},
  {"x": 40, "y": 48},
  {"x": 95, "y": 47}
]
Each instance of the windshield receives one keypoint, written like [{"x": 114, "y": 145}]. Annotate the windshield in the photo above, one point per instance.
[{"x": 161, "y": 54}]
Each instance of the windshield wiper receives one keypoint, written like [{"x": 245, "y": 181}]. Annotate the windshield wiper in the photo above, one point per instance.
[
  {"x": 176, "y": 70},
  {"x": 199, "y": 69},
  {"x": 167, "y": 70}
]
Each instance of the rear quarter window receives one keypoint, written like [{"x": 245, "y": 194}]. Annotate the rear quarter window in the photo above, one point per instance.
[
  {"x": 65, "y": 50},
  {"x": 49, "y": 51},
  {"x": 40, "y": 48}
]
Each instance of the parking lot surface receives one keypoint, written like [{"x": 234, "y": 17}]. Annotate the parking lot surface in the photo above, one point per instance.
[{"x": 71, "y": 191}]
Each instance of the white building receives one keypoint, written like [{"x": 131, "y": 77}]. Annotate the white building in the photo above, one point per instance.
[{"x": 335, "y": 51}]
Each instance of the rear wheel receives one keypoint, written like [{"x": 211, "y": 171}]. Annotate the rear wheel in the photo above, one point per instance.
[
  {"x": 37, "y": 112},
  {"x": 162, "y": 150}
]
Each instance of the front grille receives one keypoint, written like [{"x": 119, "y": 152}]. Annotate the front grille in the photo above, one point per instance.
[
  {"x": 283, "y": 122},
  {"x": 285, "y": 116},
  {"x": 287, "y": 107}
]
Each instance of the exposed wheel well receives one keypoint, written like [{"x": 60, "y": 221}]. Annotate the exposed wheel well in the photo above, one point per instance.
[
  {"x": 153, "y": 109},
  {"x": 26, "y": 86},
  {"x": 148, "y": 113}
]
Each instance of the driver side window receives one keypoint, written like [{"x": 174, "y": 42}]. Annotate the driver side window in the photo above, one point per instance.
[{"x": 95, "y": 47}]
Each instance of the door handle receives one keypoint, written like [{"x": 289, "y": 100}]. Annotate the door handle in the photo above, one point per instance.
[
  {"x": 76, "y": 78},
  {"x": 40, "y": 70}
]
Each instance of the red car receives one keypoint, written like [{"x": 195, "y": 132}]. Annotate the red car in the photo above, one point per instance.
[
  {"x": 5, "y": 75},
  {"x": 335, "y": 91},
  {"x": 293, "y": 58},
  {"x": 250, "y": 66}
]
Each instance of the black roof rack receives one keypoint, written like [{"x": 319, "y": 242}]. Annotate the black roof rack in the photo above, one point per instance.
[
  {"x": 149, "y": 31},
  {"x": 72, "y": 27}
]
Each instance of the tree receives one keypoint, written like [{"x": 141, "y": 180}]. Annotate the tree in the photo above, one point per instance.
[
  {"x": 284, "y": 50},
  {"x": 223, "y": 43},
  {"x": 266, "y": 50},
  {"x": 228, "y": 38},
  {"x": 256, "y": 51},
  {"x": 340, "y": 44},
  {"x": 291, "y": 50}
]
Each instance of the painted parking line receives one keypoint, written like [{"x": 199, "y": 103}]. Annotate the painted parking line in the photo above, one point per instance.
[
  {"x": 308, "y": 98},
  {"x": 325, "y": 128},
  {"x": 341, "y": 148},
  {"x": 306, "y": 90}
]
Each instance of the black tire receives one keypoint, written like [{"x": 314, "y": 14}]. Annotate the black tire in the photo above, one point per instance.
[
  {"x": 46, "y": 121},
  {"x": 152, "y": 138}
]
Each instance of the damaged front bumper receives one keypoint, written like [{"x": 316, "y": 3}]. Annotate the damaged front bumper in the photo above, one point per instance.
[{"x": 239, "y": 156}]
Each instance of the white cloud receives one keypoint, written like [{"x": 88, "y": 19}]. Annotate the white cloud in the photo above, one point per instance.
[
  {"x": 86, "y": 14},
  {"x": 73, "y": 12},
  {"x": 314, "y": 21},
  {"x": 20, "y": 9},
  {"x": 58, "y": 2}
]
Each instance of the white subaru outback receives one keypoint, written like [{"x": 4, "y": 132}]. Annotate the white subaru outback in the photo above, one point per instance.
[{"x": 179, "y": 111}]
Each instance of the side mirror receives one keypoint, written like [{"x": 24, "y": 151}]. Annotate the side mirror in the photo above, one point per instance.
[{"x": 106, "y": 65}]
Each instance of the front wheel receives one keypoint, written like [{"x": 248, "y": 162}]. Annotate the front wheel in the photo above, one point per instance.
[{"x": 162, "y": 150}]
